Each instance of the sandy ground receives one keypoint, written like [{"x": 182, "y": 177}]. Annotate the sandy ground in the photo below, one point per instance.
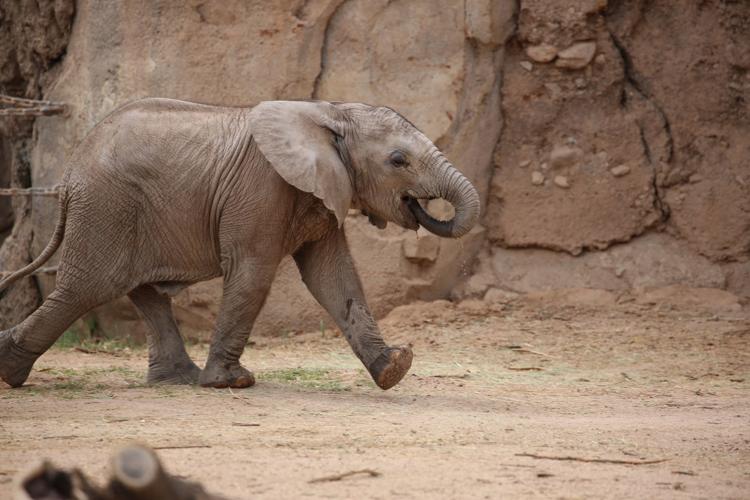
[{"x": 489, "y": 385}]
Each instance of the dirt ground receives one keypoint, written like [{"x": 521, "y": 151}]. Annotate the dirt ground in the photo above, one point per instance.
[{"x": 491, "y": 385}]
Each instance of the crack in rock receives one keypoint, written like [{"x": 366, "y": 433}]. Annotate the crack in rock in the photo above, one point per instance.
[
  {"x": 315, "y": 94},
  {"x": 632, "y": 81}
]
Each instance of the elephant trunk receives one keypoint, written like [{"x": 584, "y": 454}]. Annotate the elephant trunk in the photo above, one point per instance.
[{"x": 456, "y": 189}]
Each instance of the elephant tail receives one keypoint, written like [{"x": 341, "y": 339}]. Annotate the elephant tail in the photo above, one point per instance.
[{"x": 49, "y": 250}]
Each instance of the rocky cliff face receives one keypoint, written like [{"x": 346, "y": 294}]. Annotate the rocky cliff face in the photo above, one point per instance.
[
  {"x": 626, "y": 121},
  {"x": 33, "y": 37},
  {"x": 609, "y": 140}
]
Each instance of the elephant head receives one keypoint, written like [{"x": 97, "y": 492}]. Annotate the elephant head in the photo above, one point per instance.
[{"x": 364, "y": 157}]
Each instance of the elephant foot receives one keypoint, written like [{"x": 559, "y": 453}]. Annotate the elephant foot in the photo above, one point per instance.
[
  {"x": 169, "y": 372},
  {"x": 15, "y": 361},
  {"x": 221, "y": 374},
  {"x": 391, "y": 366}
]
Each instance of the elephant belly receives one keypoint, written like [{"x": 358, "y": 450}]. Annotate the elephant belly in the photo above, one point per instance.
[
  {"x": 179, "y": 249},
  {"x": 170, "y": 288}
]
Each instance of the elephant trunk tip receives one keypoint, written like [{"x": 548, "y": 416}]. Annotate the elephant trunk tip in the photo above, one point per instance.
[{"x": 460, "y": 193}]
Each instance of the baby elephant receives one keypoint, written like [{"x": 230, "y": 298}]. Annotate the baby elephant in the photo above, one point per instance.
[{"x": 163, "y": 194}]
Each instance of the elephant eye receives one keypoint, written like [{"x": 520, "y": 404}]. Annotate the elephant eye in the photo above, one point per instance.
[{"x": 398, "y": 159}]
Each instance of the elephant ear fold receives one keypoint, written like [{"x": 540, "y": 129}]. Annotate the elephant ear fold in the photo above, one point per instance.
[{"x": 298, "y": 139}]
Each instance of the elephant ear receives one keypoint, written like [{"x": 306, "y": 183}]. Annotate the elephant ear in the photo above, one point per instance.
[{"x": 298, "y": 139}]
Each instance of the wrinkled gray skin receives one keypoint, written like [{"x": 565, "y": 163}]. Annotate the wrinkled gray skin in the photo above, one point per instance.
[{"x": 163, "y": 194}]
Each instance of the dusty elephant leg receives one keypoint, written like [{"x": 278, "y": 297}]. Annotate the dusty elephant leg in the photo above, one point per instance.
[
  {"x": 168, "y": 362},
  {"x": 246, "y": 286},
  {"x": 362, "y": 332},
  {"x": 23, "y": 344},
  {"x": 328, "y": 271}
]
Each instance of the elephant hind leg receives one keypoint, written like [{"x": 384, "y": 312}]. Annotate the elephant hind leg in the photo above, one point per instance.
[
  {"x": 23, "y": 344},
  {"x": 168, "y": 362},
  {"x": 15, "y": 361}
]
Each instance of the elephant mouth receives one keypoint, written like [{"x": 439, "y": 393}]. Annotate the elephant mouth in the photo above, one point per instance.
[
  {"x": 412, "y": 210},
  {"x": 376, "y": 221}
]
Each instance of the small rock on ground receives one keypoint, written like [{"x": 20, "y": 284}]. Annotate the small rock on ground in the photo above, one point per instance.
[{"x": 564, "y": 156}]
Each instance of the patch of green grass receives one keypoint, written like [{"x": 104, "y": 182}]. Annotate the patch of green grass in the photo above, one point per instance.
[
  {"x": 88, "y": 335},
  {"x": 308, "y": 378},
  {"x": 70, "y": 383},
  {"x": 165, "y": 391},
  {"x": 69, "y": 389},
  {"x": 72, "y": 339}
]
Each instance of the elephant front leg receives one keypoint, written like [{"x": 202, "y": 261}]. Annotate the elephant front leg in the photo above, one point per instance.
[
  {"x": 246, "y": 285},
  {"x": 328, "y": 271},
  {"x": 387, "y": 365}
]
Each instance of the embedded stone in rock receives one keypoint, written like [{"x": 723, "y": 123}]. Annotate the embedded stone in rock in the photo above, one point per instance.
[
  {"x": 562, "y": 181},
  {"x": 543, "y": 53},
  {"x": 564, "y": 156},
  {"x": 527, "y": 65},
  {"x": 537, "y": 178},
  {"x": 577, "y": 56},
  {"x": 524, "y": 163},
  {"x": 620, "y": 170}
]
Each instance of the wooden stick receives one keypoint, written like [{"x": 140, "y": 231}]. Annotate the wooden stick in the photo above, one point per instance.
[
  {"x": 137, "y": 471},
  {"x": 531, "y": 351},
  {"x": 339, "y": 477},
  {"x": 593, "y": 460},
  {"x": 684, "y": 472},
  {"x": 32, "y": 191},
  {"x": 95, "y": 351},
  {"x": 29, "y": 107},
  {"x": 241, "y": 398},
  {"x": 26, "y": 103},
  {"x": 185, "y": 447},
  {"x": 35, "y": 111}
]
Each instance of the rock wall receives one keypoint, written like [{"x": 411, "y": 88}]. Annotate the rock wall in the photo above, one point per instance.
[
  {"x": 623, "y": 119},
  {"x": 609, "y": 140}
]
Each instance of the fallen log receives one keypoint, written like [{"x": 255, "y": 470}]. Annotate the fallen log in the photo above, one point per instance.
[{"x": 136, "y": 474}]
